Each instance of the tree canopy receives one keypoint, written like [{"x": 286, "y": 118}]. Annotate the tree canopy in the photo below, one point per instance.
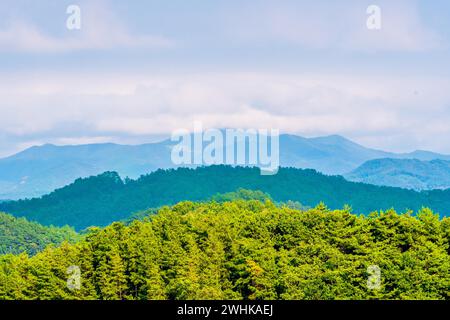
[
  {"x": 244, "y": 250},
  {"x": 103, "y": 199},
  {"x": 20, "y": 235}
]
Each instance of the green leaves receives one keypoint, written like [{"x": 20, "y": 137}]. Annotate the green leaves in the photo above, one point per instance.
[
  {"x": 103, "y": 199},
  {"x": 245, "y": 250},
  {"x": 20, "y": 235}
]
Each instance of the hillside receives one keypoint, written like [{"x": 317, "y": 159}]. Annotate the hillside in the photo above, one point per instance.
[
  {"x": 244, "y": 250},
  {"x": 102, "y": 199},
  {"x": 404, "y": 173},
  {"x": 19, "y": 235},
  {"x": 40, "y": 170}
]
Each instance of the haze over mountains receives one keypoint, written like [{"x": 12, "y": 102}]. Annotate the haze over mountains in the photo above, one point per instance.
[
  {"x": 39, "y": 170},
  {"x": 404, "y": 173}
]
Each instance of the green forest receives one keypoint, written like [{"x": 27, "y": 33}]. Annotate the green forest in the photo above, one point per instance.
[
  {"x": 20, "y": 235},
  {"x": 243, "y": 249},
  {"x": 103, "y": 199}
]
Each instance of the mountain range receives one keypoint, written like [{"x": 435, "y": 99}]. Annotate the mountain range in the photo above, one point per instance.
[
  {"x": 41, "y": 169},
  {"x": 405, "y": 173},
  {"x": 102, "y": 199}
]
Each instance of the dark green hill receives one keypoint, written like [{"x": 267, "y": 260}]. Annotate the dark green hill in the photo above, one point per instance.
[{"x": 103, "y": 199}]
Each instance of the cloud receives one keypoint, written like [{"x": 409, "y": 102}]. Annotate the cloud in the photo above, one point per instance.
[
  {"x": 332, "y": 25},
  {"x": 101, "y": 29},
  {"x": 43, "y": 101},
  {"x": 402, "y": 30},
  {"x": 132, "y": 107}
]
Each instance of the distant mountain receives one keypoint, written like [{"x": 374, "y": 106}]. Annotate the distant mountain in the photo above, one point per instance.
[
  {"x": 423, "y": 155},
  {"x": 103, "y": 199},
  {"x": 40, "y": 170},
  {"x": 330, "y": 155},
  {"x": 404, "y": 173}
]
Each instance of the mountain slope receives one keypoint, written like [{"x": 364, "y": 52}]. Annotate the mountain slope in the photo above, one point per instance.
[
  {"x": 19, "y": 235},
  {"x": 40, "y": 170},
  {"x": 103, "y": 199},
  {"x": 329, "y": 155},
  {"x": 404, "y": 173},
  {"x": 246, "y": 250}
]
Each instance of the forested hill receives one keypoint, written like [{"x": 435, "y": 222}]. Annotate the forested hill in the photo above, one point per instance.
[
  {"x": 18, "y": 235},
  {"x": 404, "y": 173},
  {"x": 244, "y": 250},
  {"x": 103, "y": 199},
  {"x": 41, "y": 169}
]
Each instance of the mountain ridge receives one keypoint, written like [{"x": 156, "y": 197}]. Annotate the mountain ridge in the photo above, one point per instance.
[
  {"x": 102, "y": 199},
  {"x": 404, "y": 173},
  {"x": 39, "y": 170}
]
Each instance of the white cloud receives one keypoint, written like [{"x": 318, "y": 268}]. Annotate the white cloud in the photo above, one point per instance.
[
  {"x": 101, "y": 29},
  {"x": 402, "y": 30},
  {"x": 79, "y": 108},
  {"x": 82, "y": 140},
  {"x": 334, "y": 24}
]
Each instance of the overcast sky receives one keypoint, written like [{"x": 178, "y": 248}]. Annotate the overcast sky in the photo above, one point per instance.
[{"x": 136, "y": 70}]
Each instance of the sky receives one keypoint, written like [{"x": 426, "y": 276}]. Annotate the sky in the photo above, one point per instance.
[{"x": 138, "y": 70}]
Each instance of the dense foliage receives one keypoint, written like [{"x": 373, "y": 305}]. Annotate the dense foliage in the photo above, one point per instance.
[
  {"x": 19, "y": 235},
  {"x": 244, "y": 250},
  {"x": 100, "y": 200},
  {"x": 241, "y": 194}
]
